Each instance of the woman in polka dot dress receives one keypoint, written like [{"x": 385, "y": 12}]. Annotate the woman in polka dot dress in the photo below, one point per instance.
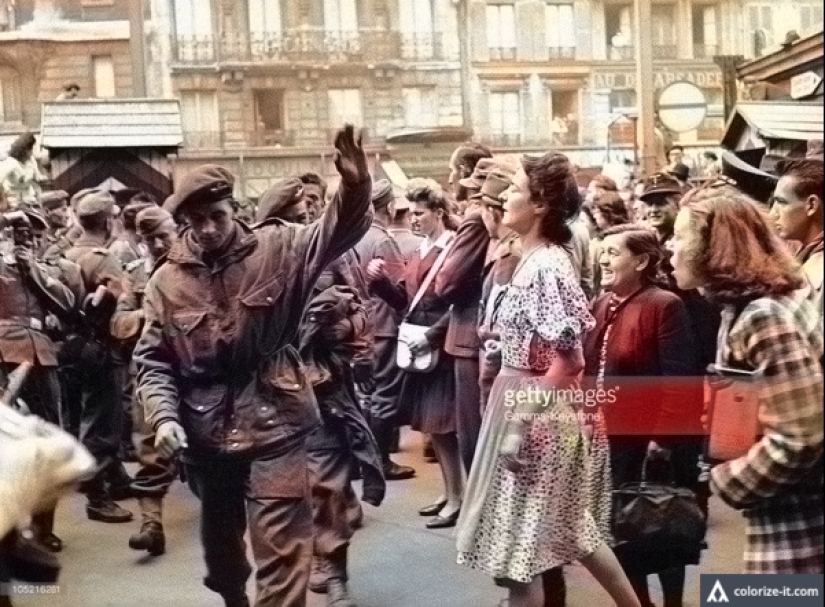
[{"x": 525, "y": 510}]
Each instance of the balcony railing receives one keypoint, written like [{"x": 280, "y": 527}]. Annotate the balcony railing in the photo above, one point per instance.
[
  {"x": 194, "y": 140},
  {"x": 705, "y": 51},
  {"x": 665, "y": 51},
  {"x": 309, "y": 45},
  {"x": 499, "y": 53},
  {"x": 503, "y": 140},
  {"x": 621, "y": 53},
  {"x": 562, "y": 52}
]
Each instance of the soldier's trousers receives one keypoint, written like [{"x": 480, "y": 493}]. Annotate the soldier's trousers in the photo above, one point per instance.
[
  {"x": 271, "y": 496},
  {"x": 155, "y": 473},
  {"x": 468, "y": 415},
  {"x": 101, "y": 416},
  {"x": 329, "y": 472},
  {"x": 383, "y": 402}
]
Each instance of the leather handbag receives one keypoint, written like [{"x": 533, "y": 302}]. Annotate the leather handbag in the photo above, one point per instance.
[
  {"x": 423, "y": 362},
  {"x": 657, "y": 526}
]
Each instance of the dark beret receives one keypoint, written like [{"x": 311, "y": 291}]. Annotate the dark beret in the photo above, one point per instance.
[
  {"x": 382, "y": 194},
  {"x": 53, "y": 199},
  {"x": 92, "y": 201},
  {"x": 150, "y": 219},
  {"x": 494, "y": 186},
  {"x": 279, "y": 197},
  {"x": 36, "y": 219},
  {"x": 757, "y": 184},
  {"x": 206, "y": 184}
]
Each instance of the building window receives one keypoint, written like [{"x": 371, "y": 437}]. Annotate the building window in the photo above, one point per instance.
[
  {"x": 345, "y": 107},
  {"x": 622, "y": 101},
  {"x": 505, "y": 118},
  {"x": 560, "y": 28},
  {"x": 760, "y": 22},
  {"x": 501, "y": 31},
  {"x": 10, "y": 104},
  {"x": 417, "y": 35},
  {"x": 103, "y": 70},
  {"x": 618, "y": 19},
  {"x": 420, "y": 107},
  {"x": 705, "y": 40},
  {"x": 810, "y": 19},
  {"x": 663, "y": 32},
  {"x": 264, "y": 16},
  {"x": 269, "y": 109},
  {"x": 193, "y": 31},
  {"x": 340, "y": 27},
  {"x": 564, "y": 123},
  {"x": 200, "y": 118}
]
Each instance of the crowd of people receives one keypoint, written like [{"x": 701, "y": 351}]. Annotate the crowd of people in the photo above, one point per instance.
[{"x": 270, "y": 362}]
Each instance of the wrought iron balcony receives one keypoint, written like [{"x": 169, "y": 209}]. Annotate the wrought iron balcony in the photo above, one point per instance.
[
  {"x": 206, "y": 140},
  {"x": 503, "y": 140},
  {"x": 562, "y": 52},
  {"x": 308, "y": 45},
  {"x": 705, "y": 51}
]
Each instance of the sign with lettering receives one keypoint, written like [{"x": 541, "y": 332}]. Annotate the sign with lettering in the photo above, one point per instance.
[
  {"x": 705, "y": 79},
  {"x": 805, "y": 84},
  {"x": 682, "y": 107}
]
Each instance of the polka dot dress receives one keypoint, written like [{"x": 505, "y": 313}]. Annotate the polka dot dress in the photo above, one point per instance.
[{"x": 518, "y": 525}]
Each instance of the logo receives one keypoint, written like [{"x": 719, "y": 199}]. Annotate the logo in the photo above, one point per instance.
[{"x": 717, "y": 594}]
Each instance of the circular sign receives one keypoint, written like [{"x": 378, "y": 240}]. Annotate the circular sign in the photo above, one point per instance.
[{"x": 682, "y": 107}]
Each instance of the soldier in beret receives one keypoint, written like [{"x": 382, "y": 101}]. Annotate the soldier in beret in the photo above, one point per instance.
[
  {"x": 222, "y": 383},
  {"x": 96, "y": 375},
  {"x": 380, "y": 390},
  {"x": 284, "y": 200},
  {"x": 157, "y": 232}
]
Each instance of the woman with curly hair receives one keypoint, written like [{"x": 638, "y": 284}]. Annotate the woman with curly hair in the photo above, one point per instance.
[
  {"x": 525, "y": 513},
  {"x": 608, "y": 210},
  {"x": 724, "y": 245},
  {"x": 21, "y": 176}
]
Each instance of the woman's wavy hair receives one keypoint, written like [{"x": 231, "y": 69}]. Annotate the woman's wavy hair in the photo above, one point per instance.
[
  {"x": 612, "y": 207},
  {"x": 642, "y": 241},
  {"x": 431, "y": 194},
  {"x": 738, "y": 255},
  {"x": 22, "y": 147},
  {"x": 553, "y": 182}
]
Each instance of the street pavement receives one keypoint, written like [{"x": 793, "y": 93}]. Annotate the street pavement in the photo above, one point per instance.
[{"x": 394, "y": 560}]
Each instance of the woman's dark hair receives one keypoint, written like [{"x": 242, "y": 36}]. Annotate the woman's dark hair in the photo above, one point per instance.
[
  {"x": 641, "y": 241},
  {"x": 612, "y": 207},
  {"x": 603, "y": 182},
  {"x": 737, "y": 254},
  {"x": 552, "y": 182},
  {"x": 22, "y": 147},
  {"x": 432, "y": 196}
]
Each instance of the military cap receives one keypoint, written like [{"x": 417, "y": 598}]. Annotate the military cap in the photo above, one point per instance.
[
  {"x": 494, "y": 186},
  {"x": 53, "y": 199},
  {"x": 279, "y": 197},
  {"x": 171, "y": 204},
  {"x": 36, "y": 220},
  {"x": 150, "y": 219},
  {"x": 124, "y": 197},
  {"x": 476, "y": 180},
  {"x": 382, "y": 194},
  {"x": 131, "y": 210},
  {"x": 757, "y": 184},
  {"x": 206, "y": 184},
  {"x": 92, "y": 201},
  {"x": 401, "y": 201},
  {"x": 660, "y": 184}
]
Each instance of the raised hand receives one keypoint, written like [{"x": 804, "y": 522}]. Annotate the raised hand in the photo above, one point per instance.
[{"x": 350, "y": 159}]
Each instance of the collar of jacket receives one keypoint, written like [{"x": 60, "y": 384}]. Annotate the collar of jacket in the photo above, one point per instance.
[
  {"x": 87, "y": 240},
  {"x": 185, "y": 251},
  {"x": 814, "y": 246},
  {"x": 379, "y": 224}
]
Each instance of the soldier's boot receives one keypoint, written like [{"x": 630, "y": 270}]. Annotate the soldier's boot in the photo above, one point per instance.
[
  {"x": 382, "y": 429},
  {"x": 337, "y": 592},
  {"x": 100, "y": 507},
  {"x": 319, "y": 574},
  {"x": 235, "y": 600},
  {"x": 150, "y": 537}
]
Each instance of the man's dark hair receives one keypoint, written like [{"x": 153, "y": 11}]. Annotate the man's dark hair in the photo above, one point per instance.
[
  {"x": 469, "y": 154},
  {"x": 808, "y": 175},
  {"x": 93, "y": 223},
  {"x": 310, "y": 178},
  {"x": 22, "y": 146}
]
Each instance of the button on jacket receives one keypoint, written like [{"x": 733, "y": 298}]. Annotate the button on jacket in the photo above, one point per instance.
[{"x": 215, "y": 353}]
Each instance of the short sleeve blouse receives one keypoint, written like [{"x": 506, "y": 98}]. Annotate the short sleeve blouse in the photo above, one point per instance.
[{"x": 543, "y": 310}]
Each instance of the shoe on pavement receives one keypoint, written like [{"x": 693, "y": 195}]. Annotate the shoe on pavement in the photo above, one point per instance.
[
  {"x": 319, "y": 575},
  {"x": 51, "y": 541},
  {"x": 395, "y": 472},
  {"x": 337, "y": 594},
  {"x": 150, "y": 538},
  {"x": 236, "y": 601},
  {"x": 107, "y": 511}
]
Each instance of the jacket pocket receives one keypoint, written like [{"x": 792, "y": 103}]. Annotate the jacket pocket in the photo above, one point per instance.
[
  {"x": 191, "y": 339},
  {"x": 288, "y": 397},
  {"x": 265, "y": 295},
  {"x": 202, "y": 413}
]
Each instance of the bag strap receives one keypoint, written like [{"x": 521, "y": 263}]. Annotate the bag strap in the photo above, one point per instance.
[
  {"x": 722, "y": 339},
  {"x": 430, "y": 276}
]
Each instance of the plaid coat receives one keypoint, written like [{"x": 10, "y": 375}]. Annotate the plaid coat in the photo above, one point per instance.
[{"x": 778, "y": 484}]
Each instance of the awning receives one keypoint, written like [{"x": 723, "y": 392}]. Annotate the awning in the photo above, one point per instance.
[
  {"x": 440, "y": 134},
  {"x": 111, "y": 123},
  {"x": 789, "y": 120}
]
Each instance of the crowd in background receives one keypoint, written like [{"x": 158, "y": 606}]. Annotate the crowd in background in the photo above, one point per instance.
[{"x": 270, "y": 362}]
